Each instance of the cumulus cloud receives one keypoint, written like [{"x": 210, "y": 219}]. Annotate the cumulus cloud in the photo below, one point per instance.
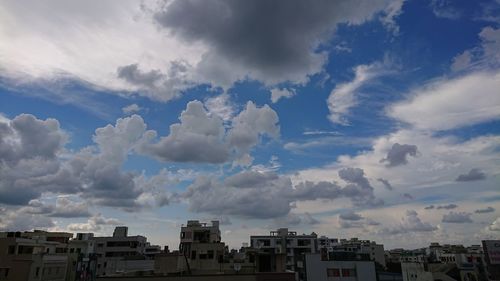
[
  {"x": 398, "y": 154},
  {"x": 473, "y": 175},
  {"x": 457, "y": 217},
  {"x": 202, "y": 137},
  {"x": 29, "y": 150},
  {"x": 268, "y": 195},
  {"x": 279, "y": 47},
  {"x": 64, "y": 208},
  {"x": 94, "y": 173},
  {"x": 132, "y": 108},
  {"x": 221, "y": 106},
  {"x": 277, "y": 94},
  {"x": 410, "y": 223},
  {"x": 93, "y": 224},
  {"x": 197, "y": 138},
  {"x": 17, "y": 220},
  {"x": 447, "y": 104},
  {"x": 489, "y": 209}
]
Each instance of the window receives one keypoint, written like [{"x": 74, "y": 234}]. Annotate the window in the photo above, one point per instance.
[
  {"x": 333, "y": 272},
  {"x": 12, "y": 250},
  {"x": 193, "y": 255},
  {"x": 210, "y": 255},
  {"x": 203, "y": 256},
  {"x": 37, "y": 272},
  {"x": 348, "y": 272}
]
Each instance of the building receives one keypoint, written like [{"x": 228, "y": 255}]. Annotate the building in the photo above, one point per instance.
[
  {"x": 33, "y": 256},
  {"x": 122, "y": 254},
  {"x": 492, "y": 258},
  {"x": 284, "y": 250},
  {"x": 348, "y": 266},
  {"x": 82, "y": 263},
  {"x": 374, "y": 250},
  {"x": 201, "y": 247}
]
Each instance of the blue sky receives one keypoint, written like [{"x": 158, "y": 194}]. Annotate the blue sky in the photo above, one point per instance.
[{"x": 260, "y": 114}]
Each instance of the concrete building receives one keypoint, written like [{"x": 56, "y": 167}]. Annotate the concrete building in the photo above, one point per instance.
[
  {"x": 374, "y": 250},
  {"x": 201, "y": 247},
  {"x": 33, "y": 256},
  {"x": 82, "y": 262},
  {"x": 492, "y": 259},
  {"x": 284, "y": 248},
  {"x": 319, "y": 268},
  {"x": 423, "y": 271},
  {"x": 122, "y": 254}
]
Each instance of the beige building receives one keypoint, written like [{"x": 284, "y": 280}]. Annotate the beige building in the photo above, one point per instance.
[{"x": 33, "y": 256}]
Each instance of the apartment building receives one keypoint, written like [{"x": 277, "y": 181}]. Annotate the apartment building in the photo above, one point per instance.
[
  {"x": 201, "y": 247},
  {"x": 283, "y": 249},
  {"x": 121, "y": 253},
  {"x": 82, "y": 260},
  {"x": 336, "y": 266},
  {"x": 33, "y": 256}
]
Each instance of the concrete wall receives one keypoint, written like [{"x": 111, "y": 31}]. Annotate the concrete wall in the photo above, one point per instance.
[
  {"x": 226, "y": 277},
  {"x": 316, "y": 269}
]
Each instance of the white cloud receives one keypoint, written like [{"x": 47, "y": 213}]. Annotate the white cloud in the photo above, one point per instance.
[
  {"x": 343, "y": 97},
  {"x": 452, "y": 103},
  {"x": 93, "y": 224},
  {"x": 277, "y": 94},
  {"x": 130, "y": 109},
  {"x": 121, "y": 46},
  {"x": 495, "y": 225},
  {"x": 221, "y": 106}
]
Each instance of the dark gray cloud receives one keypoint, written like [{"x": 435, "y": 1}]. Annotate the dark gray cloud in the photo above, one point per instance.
[
  {"x": 486, "y": 210},
  {"x": 398, "y": 154},
  {"x": 156, "y": 84},
  {"x": 472, "y": 175},
  {"x": 386, "y": 183},
  {"x": 249, "y": 179},
  {"x": 430, "y": 207},
  {"x": 351, "y": 216},
  {"x": 407, "y": 196},
  {"x": 358, "y": 188},
  {"x": 447, "y": 207},
  {"x": 263, "y": 39},
  {"x": 133, "y": 75},
  {"x": 457, "y": 217}
]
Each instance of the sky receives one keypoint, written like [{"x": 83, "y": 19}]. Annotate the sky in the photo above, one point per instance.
[{"x": 377, "y": 119}]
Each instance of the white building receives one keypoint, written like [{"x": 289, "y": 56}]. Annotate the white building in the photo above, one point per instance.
[
  {"x": 288, "y": 244},
  {"x": 121, "y": 254}
]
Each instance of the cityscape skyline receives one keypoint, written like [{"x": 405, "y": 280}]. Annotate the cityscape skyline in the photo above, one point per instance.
[{"x": 376, "y": 119}]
